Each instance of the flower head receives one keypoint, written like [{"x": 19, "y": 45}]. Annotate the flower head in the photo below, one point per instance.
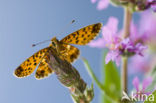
[
  {"x": 147, "y": 35},
  {"x": 152, "y": 4},
  {"x": 117, "y": 46},
  {"x": 146, "y": 82}
]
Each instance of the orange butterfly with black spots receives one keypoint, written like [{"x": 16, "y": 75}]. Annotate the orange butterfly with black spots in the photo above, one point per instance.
[{"x": 62, "y": 47}]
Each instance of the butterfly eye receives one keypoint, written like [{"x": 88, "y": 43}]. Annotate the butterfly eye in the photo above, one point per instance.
[{"x": 53, "y": 44}]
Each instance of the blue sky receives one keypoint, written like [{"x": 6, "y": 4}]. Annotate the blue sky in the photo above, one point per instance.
[{"x": 24, "y": 22}]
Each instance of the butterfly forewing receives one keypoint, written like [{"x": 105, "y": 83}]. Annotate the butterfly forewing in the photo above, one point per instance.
[
  {"x": 83, "y": 36},
  {"x": 29, "y": 65},
  {"x": 62, "y": 49}
]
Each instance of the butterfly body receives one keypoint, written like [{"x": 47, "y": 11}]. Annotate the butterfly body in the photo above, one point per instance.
[
  {"x": 66, "y": 51},
  {"x": 62, "y": 48}
]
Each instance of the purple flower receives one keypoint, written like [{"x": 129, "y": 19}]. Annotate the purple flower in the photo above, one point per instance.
[
  {"x": 146, "y": 82},
  {"x": 147, "y": 26},
  {"x": 139, "y": 48},
  {"x": 152, "y": 4},
  {"x": 102, "y": 4},
  {"x": 147, "y": 35},
  {"x": 109, "y": 37},
  {"x": 114, "y": 56},
  {"x": 93, "y": 1},
  {"x": 139, "y": 64},
  {"x": 117, "y": 46}
]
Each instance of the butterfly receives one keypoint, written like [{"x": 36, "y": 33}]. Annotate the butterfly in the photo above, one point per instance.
[{"x": 63, "y": 48}]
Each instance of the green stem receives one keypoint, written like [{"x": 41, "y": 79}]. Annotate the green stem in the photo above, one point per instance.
[
  {"x": 124, "y": 74},
  {"x": 99, "y": 84},
  {"x": 90, "y": 71},
  {"x": 126, "y": 33}
]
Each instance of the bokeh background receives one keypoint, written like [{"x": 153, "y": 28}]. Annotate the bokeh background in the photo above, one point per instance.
[{"x": 24, "y": 22}]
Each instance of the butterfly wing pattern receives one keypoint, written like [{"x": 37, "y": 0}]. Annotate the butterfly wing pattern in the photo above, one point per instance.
[
  {"x": 80, "y": 37},
  {"x": 69, "y": 52},
  {"x": 83, "y": 36},
  {"x": 29, "y": 65},
  {"x": 43, "y": 69},
  {"x": 66, "y": 52}
]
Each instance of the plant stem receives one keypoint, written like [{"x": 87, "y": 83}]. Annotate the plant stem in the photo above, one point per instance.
[
  {"x": 126, "y": 33},
  {"x": 99, "y": 84},
  {"x": 90, "y": 71},
  {"x": 127, "y": 22},
  {"x": 124, "y": 74}
]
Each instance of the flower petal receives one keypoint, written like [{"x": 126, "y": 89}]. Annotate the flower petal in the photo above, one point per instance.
[
  {"x": 93, "y": 1},
  {"x": 108, "y": 57},
  {"x": 114, "y": 56},
  {"x": 107, "y": 35},
  {"x": 102, "y": 4},
  {"x": 153, "y": 7},
  {"x": 146, "y": 83},
  {"x": 113, "y": 24},
  {"x": 147, "y": 24},
  {"x": 134, "y": 35},
  {"x": 100, "y": 43},
  {"x": 111, "y": 28},
  {"x": 136, "y": 83},
  {"x": 117, "y": 60},
  {"x": 139, "y": 48}
]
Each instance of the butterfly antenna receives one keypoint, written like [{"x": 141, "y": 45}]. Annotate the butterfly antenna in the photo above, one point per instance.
[
  {"x": 33, "y": 45},
  {"x": 66, "y": 27}
]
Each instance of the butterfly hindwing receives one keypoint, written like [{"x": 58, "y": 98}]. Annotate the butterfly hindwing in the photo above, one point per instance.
[
  {"x": 43, "y": 70},
  {"x": 29, "y": 65},
  {"x": 69, "y": 52},
  {"x": 62, "y": 49},
  {"x": 84, "y": 35}
]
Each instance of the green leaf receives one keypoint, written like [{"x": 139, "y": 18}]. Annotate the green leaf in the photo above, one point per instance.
[
  {"x": 111, "y": 81},
  {"x": 153, "y": 75},
  {"x": 98, "y": 83},
  {"x": 91, "y": 73},
  {"x": 110, "y": 87},
  {"x": 151, "y": 98}
]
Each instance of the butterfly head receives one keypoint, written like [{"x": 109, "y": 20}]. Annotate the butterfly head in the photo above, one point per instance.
[{"x": 54, "y": 42}]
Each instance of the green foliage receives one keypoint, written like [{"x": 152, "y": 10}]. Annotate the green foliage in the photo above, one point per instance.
[
  {"x": 153, "y": 84},
  {"x": 110, "y": 86},
  {"x": 115, "y": 2},
  {"x": 91, "y": 73},
  {"x": 149, "y": 100},
  {"x": 111, "y": 81}
]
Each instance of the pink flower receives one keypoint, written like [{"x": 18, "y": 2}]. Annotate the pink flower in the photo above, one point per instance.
[
  {"x": 146, "y": 82},
  {"x": 152, "y": 4},
  {"x": 147, "y": 26},
  {"x": 117, "y": 46},
  {"x": 145, "y": 4},
  {"x": 102, "y": 4},
  {"x": 93, "y": 1},
  {"x": 114, "y": 56},
  {"x": 109, "y": 37},
  {"x": 147, "y": 35},
  {"x": 140, "y": 64}
]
